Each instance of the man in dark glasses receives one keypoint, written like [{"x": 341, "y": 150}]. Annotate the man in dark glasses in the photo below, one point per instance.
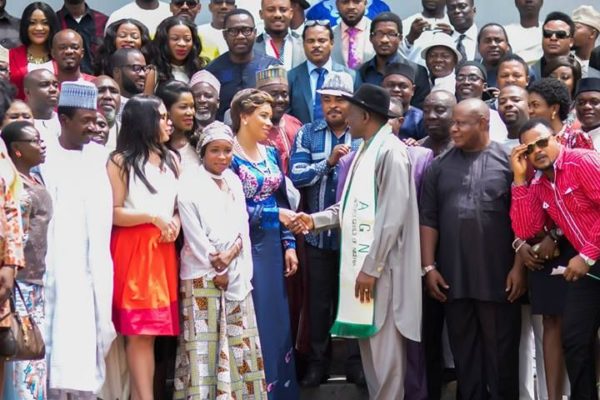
[
  {"x": 568, "y": 191},
  {"x": 188, "y": 9},
  {"x": 557, "y": 40}
]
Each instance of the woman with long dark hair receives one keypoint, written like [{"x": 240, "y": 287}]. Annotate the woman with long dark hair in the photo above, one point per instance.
[
  {"x": 179, "y": 101},
  {"x": 177, "y": 48},
  {"x": 39, "y": 24},
  {"x": 27, "y": 150},
  {"x": 144, "y": 173},
  {"x": 126, "y": 34}
]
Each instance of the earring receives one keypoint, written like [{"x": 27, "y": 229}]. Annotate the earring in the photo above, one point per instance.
[
  {"x": 553, "y": 114},
  {"x": 245, "y": 122},
  {"x": 18, "y": 154}
]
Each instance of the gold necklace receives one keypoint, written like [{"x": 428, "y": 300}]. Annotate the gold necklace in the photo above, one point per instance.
[{"x": 37, "y": 60}]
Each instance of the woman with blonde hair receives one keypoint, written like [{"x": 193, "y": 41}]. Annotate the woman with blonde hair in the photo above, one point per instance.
[{"x": 273, "y": 246}]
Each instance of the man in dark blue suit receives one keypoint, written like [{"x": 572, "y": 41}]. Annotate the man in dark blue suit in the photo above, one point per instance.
[
  {"x": 308, "y": 77},
  {"x": 386, "y": 36}
]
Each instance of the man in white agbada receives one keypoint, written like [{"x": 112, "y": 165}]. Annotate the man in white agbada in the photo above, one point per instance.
[
  {"x": 380, "y": 276},
  {"x": 79, "y": 273}
]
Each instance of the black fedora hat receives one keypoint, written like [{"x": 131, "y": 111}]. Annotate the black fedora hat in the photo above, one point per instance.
[{"x": 372, "y": 98}]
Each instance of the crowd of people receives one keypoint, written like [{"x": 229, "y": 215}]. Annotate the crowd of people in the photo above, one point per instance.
[{"x": 210, "y": 205}]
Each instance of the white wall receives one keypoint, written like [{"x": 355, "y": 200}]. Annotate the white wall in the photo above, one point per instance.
[{"x": 502, "y": 11}]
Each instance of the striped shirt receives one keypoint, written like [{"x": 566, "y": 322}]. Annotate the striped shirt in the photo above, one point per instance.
[{"x": 572, "y": 201}]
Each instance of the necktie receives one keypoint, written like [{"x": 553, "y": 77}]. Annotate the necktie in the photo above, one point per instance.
[
  {"x": 461, "y": 47},
  {"x": 317, "y": 110},
  {"x": 353, "y": 60}
]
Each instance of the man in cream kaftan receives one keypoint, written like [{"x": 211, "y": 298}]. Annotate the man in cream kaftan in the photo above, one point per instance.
[
  {"x": 393, "y": 259},
  {"x": 78, "y": 282}
]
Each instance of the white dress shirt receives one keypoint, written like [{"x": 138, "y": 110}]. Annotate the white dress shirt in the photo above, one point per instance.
[
  {"x": 526, "y": 42},
  {"x": 469, "y": 42}
]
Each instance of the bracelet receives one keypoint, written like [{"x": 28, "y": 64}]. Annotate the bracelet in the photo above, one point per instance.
[
  {"x": 221, "y": 273},
  {"x": 519, "y": 246},
  {"x": 515, "y": 243}
]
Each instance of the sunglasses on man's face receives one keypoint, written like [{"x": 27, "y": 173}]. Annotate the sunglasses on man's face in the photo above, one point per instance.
[
  {"x": 542, "y": 143},
  {"x": 190, "y": 3},
  {"x": 319, "y": 22},
  {"x": 559, "y": 34}
]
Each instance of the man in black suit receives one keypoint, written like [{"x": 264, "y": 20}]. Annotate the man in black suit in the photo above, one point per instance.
[{"x": 307, "y": 78}]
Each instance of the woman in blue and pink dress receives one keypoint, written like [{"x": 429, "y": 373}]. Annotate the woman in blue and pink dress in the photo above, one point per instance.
[{"x": 273, "y": 246}]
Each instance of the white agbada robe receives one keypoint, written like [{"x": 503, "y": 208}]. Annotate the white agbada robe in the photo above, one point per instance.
[{"x": 79, "y": 274}]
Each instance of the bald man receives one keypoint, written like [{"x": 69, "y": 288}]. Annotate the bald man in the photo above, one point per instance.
[
  {"x": 437, "y": 119},
  {"x": 41, "y": 93},
  {"x": 465, "y": 222},
  {"x": 67, "y": 51}
]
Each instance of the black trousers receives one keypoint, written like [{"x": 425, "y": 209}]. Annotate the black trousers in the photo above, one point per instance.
[
  {"x": 581, "y": 321},
  {"x": 323, "y": 289},
  {"x": 484, "y": 338},
  {"x": 433, "y": 325}
]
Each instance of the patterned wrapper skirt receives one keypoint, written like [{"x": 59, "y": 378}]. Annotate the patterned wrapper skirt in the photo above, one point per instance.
[
  {"x": 145, "y": 282},
  {"x": 218, "y": 353},
  {"x": 26, "y": 380}
]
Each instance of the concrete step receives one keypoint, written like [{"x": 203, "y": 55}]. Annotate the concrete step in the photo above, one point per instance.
[{"x": 336, "y": 388}]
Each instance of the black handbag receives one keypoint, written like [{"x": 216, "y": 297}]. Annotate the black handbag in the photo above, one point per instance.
[{"x": 22, "y": 340}]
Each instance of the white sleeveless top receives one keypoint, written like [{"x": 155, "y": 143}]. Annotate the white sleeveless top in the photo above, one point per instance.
[{"x": 162, "y": 202}]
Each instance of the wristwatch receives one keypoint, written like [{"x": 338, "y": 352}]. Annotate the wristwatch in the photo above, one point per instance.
[
  {"x": 588, "y": 261},
  {"x": 425, "y": 270}
]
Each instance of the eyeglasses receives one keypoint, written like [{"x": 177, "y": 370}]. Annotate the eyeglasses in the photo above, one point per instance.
[
  {"x": 230, "y": 2},
  {"x": 380, "y": 35},
  {"x": 245, "y": 30},
  {"x": 559, "y": 34},
  {"x": 470, "y": 78},
  {"x": 137, "y": 68},
  {"x": 542, "y": 143},
  {"x": 180, "y": 3},
  {"x": 313, "y": 22}
]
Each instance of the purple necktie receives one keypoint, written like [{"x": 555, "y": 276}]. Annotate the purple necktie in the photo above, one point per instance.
[{"x": 353, "y": 60}]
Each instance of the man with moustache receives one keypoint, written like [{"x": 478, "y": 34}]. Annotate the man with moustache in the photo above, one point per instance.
[
  {"x": 313, "y": 166},
  {"x": 587, "y": 106},
  {"x": 462, "y": 18},
  {"x": 79, "y": 274},
  {"x": 149, "y": 12},
  {"x": 273, "y": 80},
  {"x": 308, "y": 77},
  {"x": 68, "y": 51},
  {"x": 351, "y": 37},
  {"x": 212, "y": 32},
  {"x": 514, "y": 110},
  {"x": 464, "y": 204},
  {"x": 437, "y": 121},
  {"x": 236, "y": 69},
  {"x": 278, "y": 41},
  {"x": 385, "y": 36},
  {"x": 398, "y": 80},
  {"x": 9, "y": 28},
  {"x": 566, "y": 190},
  {"x": 41, "y": 93},
  {"x": 89, "y": 24},
  {"x": 558, "y": 31},
  {"x": 205, "y": 88},
  {"x": 128, "y": 69},
  {"x": 109, "y": 102}
]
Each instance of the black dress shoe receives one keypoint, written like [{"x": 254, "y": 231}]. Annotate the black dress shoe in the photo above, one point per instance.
[
  {"x": 314, "y": 377},
  {"x": 356, "y": 375}
]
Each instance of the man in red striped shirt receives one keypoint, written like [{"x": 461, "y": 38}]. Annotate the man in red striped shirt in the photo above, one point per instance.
[{"x": 567, "y": 188}]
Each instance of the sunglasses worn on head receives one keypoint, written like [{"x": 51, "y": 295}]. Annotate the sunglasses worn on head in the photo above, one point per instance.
[
  {"x": 190, "y": 3},
  {"x": 559, "y": 34},
  {"x": 313, "y": 22},
  {"x": 542, "y": 143}
]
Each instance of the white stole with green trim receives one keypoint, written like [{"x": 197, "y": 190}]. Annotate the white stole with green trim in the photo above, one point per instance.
[{"x": 357, "y": 219}]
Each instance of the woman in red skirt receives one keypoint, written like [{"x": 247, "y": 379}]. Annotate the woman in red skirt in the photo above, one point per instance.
[{"x": 144, "y": 177}]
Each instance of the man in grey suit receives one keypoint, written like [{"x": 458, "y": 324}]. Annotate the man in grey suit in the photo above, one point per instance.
[
  {"x": 351, "y": 37},
  {"x": 306, "y": 78},
  {"x": 278, "y": 40}
]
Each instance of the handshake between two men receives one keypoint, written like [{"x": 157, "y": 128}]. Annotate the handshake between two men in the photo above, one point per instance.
[{"x": 298, "y": 223}]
